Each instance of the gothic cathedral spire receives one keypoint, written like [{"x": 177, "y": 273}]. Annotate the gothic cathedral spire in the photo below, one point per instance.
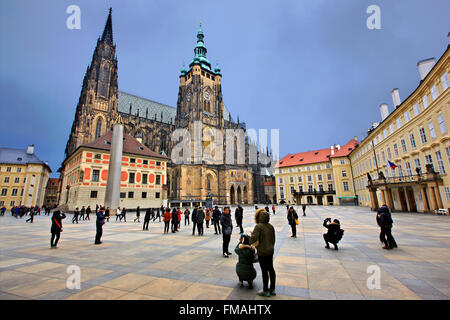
[{"x": 97, "y": 105}]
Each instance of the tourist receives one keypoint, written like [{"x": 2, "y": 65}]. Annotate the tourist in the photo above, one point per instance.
[
  {"x": 75, "y": 215},
  {"x": 273, "y": 208},
  {"x": 158, "y": 214},
  {"x": 82, "y": 212},
  {"x": 384, "y": 221},
  {"x": 56, "y": 228},
  {"x": 124, "y": 214},
  {"x": 293, "y": 221},
  {"x": 3, "y": 210},
  {"x": 267, "y": 209},
  {"x": 239, "y": 216},
  {"x": 227, "y": 230},
  {"x": 147, "y": 216},
  {"x": 179, "y": 218},
  {"x": 194, "y": 220},
  {"x": 334, "y": 234},
  {"x": 216, "y": 220},
  {"x": 244, "y": 267},
  {"x": 166, "y": 218},
  {"x": 88, "y": 212},
  {"x": 31, "y": 218},
  {"x": 304, "y": 209},
  {"x": 207, "y": 217},
  {"x": 263, "y": 239},
  {"x": 119, "y": 214},
  {"x": 96, "y": 208},
  {"x": 101, "y": 216},
  {"x": 138, "y": 214},
  {"x": 107, "y": 214},
  {"x": 174, "y": 220},
  {"x": 200, "y": 219},
  {"x": 186, "y": 217}
]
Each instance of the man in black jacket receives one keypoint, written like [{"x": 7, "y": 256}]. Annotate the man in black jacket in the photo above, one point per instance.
[
  {"x": 99, "y": 223},
  {"x": 88, "y": 212},
  {"x": 174, "y": 220},
  {"x": 194, "y": 220},
  {"x": 200, "y": 219},
  {"x": 334, "y": 233},
  {"x": 216, "y": 220},
  {"x": 239, "y": 216},
  {"x": 148, "y": 214},
  {"x": 384, "y": 221}
]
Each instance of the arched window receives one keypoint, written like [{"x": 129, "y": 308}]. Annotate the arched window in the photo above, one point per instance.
[{"x": 98, "y": 128}]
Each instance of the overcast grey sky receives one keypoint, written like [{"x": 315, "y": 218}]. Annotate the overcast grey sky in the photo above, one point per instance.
[{"x": 309, "y": 68}]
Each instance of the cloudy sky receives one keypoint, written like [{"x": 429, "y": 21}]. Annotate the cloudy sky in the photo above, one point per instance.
[{"x": 309, "y": 68}]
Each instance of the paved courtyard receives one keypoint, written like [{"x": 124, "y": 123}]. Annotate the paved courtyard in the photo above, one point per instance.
[{"x": 136, "y": 264}]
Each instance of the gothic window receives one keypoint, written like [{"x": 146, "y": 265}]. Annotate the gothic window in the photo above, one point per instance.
[
  {"x": 98, "y": 128},
  {"x": 104, "y": 81}
]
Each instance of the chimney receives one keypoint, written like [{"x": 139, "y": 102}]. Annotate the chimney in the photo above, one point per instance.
[
  {"x": 338, "y": 147},
  {"x": 356, "y": 138},
  {"x": 332, "y": 150},
  {"x": 396, "y": 97},
  {"x": 384, "y": 111},
  {"x": 30, "y": 149},
  {"x": 425, "y": 66}
]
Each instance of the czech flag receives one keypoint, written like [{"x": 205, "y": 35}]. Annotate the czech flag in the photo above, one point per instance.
[{"x": 392, "y": 165}]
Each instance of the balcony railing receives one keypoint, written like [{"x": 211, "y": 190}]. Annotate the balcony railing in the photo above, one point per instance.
[
  {"x": 415, "y": 178},
  {"x": 314, "y": 193}
]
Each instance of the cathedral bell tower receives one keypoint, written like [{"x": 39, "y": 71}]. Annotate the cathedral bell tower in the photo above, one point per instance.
[
  {"x": 200, "y": 91},
  {"x": 97, "y": 105}
]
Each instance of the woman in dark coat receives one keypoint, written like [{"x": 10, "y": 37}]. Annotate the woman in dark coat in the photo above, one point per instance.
[
  {"x": 227, "y": 230},
  {"x": 292, "y": 216},
  {"x": 56, "y": 228},
  {"x": 244, "y": 267}
]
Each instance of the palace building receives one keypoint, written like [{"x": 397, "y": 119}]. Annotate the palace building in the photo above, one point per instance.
[
  {"x": 23, "y": 178},
  {"x": 414, "y": 137},
  {"x": 322, "y": 177},
  {"x": 199, "y": 102},
  {"x": 143, "y": 175}
]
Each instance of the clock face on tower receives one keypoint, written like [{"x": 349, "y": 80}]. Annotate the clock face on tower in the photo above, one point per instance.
[{"x": 206, "y": 95}]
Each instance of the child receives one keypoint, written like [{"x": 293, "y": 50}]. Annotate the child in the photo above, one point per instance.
[{"x": 244, "y": 267}]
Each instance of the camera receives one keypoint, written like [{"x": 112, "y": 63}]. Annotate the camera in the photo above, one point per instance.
[{"x": 328, "y": 219}]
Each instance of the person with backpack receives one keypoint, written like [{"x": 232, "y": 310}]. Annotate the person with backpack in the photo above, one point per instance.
[
  {"x": 246, "y": 257},
  {"x": 216, "y": 220},
  {"x": 166, "y": 218},
  {"x": 200, "y": 219},
  {"x": 227, "y": 230},
  {"x": 384, "y": 221},
  {"x": 293, "y": 220},
  {"x": 334, "y": 234},
  {"x": 239, "y": 216},
  {"x": 56, "y": 228},
  {"x": 263, "y": 239}
]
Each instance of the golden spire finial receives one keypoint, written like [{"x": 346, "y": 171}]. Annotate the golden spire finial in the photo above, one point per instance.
[{"x": 118, "y": 120}]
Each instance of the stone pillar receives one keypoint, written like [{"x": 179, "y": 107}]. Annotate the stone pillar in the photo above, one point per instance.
[
  {"x": 438, "y": 197},
  {"x": 383, "y": 197},
  {"x": 374, "y": 200},
  {"x": 433, "y": 198},
  {"x": 112, "y": 193},
  {"x": 389, "y": 200},
  {"x": 424, "y": 199}
]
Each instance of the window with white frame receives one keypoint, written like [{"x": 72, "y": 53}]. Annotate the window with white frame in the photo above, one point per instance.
[
  {"x": 342, "y": 161},
  {"x": 423, "y": 135},
  {"x": 432, "y": 133},
  {"x": 319, "y": 177},
  {"x": 434, "y": 92},
  {"x": 413, "y": 140},
  {"x": 383, "y": 156},
  {"x": 444, "y": 81},
  {"x": 389, "y": 153},
  {"x": 281, "y": 180},
  {"x": 416, "y": 109},
  {"x": 417, "y": 164},
  {"x": 425, "y": 101},
  {"x": 329, "y": 176},
  {"x": 395, "y": 150},
  {"x": 299, "y": 178},
  {"x": 385, "y": 133},
  {"x": 429, "y": 160},
  {"x": 391, "y": 128},
  {"x": 440, "y": 162},
  {"x": 442, "y": 124},
  {"x": 408, "y": 169},
  {"x": 407, "y": 117},
  {"x": 281, "y": 192},
  {"x": 344, "y": 173},
  {"x": 345, "y": 183},
  {"x": 399, "y": 123},
  {"x": 309, "y": 178}
]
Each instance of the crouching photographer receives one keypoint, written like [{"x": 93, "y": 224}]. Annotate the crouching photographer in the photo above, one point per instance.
[{"x": 334, "y": 234}]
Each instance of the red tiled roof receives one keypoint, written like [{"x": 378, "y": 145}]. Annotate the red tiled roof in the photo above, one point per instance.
[
  {"x": 315, "y": 156},
  {"x": 130, "y": 145},
  {"x": 52, "y": 182}
]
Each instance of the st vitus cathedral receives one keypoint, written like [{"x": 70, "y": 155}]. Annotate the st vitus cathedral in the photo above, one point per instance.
[{"x": 199, "y": 104}]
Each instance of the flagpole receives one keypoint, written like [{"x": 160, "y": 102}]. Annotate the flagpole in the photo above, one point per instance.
[{"x": 375, "y": 156}]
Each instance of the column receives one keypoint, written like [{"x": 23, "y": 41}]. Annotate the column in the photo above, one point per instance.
[
  {"x": 112, "y": 193},
  {"x": 389, "y": 200},
  {"x": 383, "y": 196},
  {"x": 424, "y": 199},
  {"x": 438, "y": 197},
  {"x": 373, "y": 200},
  {"x": 433, "y": 198}
]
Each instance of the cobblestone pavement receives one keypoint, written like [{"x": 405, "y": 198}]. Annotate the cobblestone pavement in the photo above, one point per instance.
[{"x": 136, "y": 264}]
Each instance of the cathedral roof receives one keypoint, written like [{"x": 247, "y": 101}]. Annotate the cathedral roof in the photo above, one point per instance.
[{"x": 142, "y": 104}]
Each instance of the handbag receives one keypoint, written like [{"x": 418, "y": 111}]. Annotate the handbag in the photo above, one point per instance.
[{"x": 296, "y": 221}]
